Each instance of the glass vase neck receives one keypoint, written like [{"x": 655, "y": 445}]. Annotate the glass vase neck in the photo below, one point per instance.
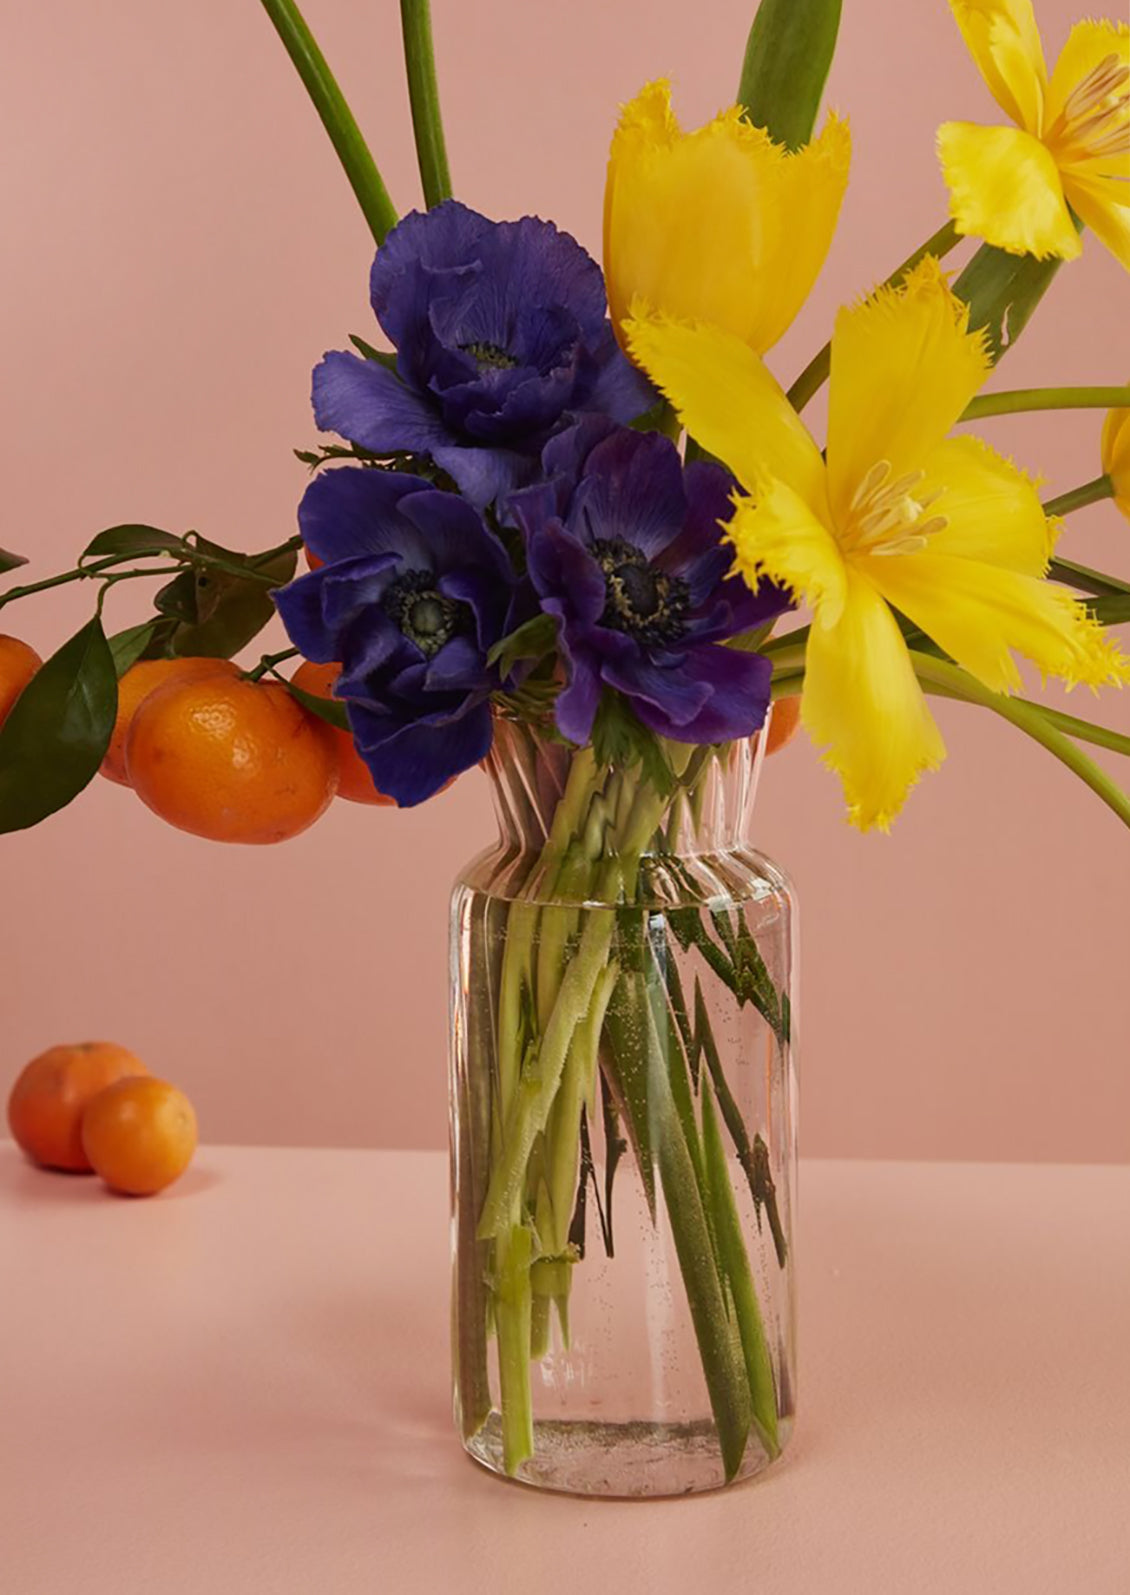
[{"x": 544, "y": 789}]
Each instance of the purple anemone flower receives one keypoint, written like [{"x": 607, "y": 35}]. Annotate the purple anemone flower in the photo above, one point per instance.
[
  {"x": 625, "y": 550},
  {"x": 501, "y": 334},
  {"x": 413, "y": 594}
]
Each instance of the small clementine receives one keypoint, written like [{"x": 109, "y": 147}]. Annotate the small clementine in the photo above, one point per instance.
[
  {"x": 139, "y": 1135},
  {"x": 355, "y": 782},
  {"x": 783, "y": 723},
  {"x": 49, "y": 1097},
  {"x": 231, "y": 759},
  {"x": 18, "y": 663},
  {"x": 136, "y": 685}
]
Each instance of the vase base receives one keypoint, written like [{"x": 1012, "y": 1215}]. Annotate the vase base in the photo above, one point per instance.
[{"x": 632, "y": 1460}]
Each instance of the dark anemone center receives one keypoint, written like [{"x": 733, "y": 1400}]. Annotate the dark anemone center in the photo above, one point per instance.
[
  {"x": 489, "y": 356},
  {"x": 640, "y": 598},
  {"x": 422, "y": 613}
]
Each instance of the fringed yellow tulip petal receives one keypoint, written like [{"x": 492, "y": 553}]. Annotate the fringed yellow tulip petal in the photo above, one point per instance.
[
  {"x": 800, "y": 209},
  {"x": 1089, "y": 45},
  {"x": 980, "y": 614},
  {"x": 719, "y": 225},
  {"x": 904, "y": 367},
  {"x": 728, "y": 400},
  {"x": 1099, "y": 202},
  {"x": 992, "y": 510},
  {"x": 1005, "y": 188},
  {"x": 1115, "y": 450},
  {"x": 776, "y": 535},
  {"x": 1004, "y": 41},
  {"x": 863, "y": 705}
]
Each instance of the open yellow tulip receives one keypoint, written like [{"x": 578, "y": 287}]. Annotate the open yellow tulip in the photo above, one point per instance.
[
  {"x": 1115, "y": 451},
  {"x": 901, "y": 517},
  {"x": 1012, "y": 186},
  {"x": 719, "y": 225}
]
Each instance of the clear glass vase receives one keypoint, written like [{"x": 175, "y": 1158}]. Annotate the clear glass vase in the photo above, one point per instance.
[{"x": 623, "y": 1111}]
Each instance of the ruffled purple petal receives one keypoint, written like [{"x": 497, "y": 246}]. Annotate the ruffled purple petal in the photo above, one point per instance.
[
  {"x": 736, "y": 704},
  {"x": 635, "y": 491},
  {"x": 368, "y": 404},
  {"x": 458, "y": 667},
  {"x": 483, "y": 475},
  {"x": 674, "y": 694},
  {"x": 575, "y": 710},
  {"x": 345, "y": 513},
  {"x": 561, "y": 568},
  {"x": 413, "y": 762},
  {"x": 615, "y": 386}
]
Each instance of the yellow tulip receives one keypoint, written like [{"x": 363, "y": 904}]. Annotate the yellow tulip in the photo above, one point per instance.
[
  {"x": 899, "y": 517},
  {"x": 1012, "y": 186},
  {"x": 1116, "y": 456},
  {"x": 719, "y": 225}
]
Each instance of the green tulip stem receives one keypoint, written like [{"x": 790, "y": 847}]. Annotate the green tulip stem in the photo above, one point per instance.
[
  {"x": 337, "y": 118},
  {"x": 1079, "y": 497},
  {"x": 423, "y": 93},
  {"x": 948, "y": 680},
  {"x": 818, "y": 369},
  {"x": 1019, "y": 401}
]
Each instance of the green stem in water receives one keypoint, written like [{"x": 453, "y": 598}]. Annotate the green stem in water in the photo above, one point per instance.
[
  {"x": 1018, "y": 401},
  {"x": 1026, "y": 717},
  {"x": 337, "y": 118},
  {"x": 1079, "y": 497},
  {"x": 513, "y": 1255},
  {"x": 735, "y": 1269},
  {"x": 816, "y": 372},
  {"x": 423, "y": 92}
]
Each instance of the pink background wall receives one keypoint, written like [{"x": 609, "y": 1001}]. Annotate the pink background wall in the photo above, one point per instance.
[{"x": 180, "y": 248}]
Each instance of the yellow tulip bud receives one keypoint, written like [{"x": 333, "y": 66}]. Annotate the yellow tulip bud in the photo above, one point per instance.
[{"x": 720, "y": 225}]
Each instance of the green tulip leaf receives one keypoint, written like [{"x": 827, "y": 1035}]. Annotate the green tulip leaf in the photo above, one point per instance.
[
  {"x": 787, "y": 59},
  {"x": 57, "y": 734}
]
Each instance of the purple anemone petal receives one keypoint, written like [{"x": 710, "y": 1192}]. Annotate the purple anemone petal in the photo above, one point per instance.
[
  {"x": 483, "y": 475},
  {"x": 416, "y": 761},
  {"x": 366, "y": 403},
  {"x": 737, "y": 703},
  {"x": 676, "y": 694},
  {"x": 343, "y": 511},
  {"x": 636, "y": 490},
  {"x": 561, "y": 567}
]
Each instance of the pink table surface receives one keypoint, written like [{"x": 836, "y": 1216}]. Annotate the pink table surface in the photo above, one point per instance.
[{"x": 242, "y": 1386}]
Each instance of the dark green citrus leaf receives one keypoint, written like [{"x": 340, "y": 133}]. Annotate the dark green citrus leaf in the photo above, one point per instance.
[
  {"x": 230, "y": 609},
  {"x": 57, "y": 734},
  {"x": 11, "y": 561},
  {"x": 178, "y": 597},
  {"x": 138, "y": 642},
  {"x": 332, "y": 710},
  {"x": 132, "y": 540}
]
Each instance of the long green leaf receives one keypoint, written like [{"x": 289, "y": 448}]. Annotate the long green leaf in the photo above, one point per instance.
[
  {"x": 1002, "y": 291},
  {"x": 787, "y": 58},
  {"x": 727, "y": 1229},
  {"x": 423, "y": 93},
  {"x": 337, "y": 118},
  {"x": 57, "y": 734}
]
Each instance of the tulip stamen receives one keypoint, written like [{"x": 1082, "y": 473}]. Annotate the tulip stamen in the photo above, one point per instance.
[
  {"x": 1095, "y": 120},
  {"x": 887, "y": 517}
]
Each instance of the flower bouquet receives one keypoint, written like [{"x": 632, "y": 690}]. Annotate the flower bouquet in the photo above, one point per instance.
[{"x": 563, "y": 530}]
